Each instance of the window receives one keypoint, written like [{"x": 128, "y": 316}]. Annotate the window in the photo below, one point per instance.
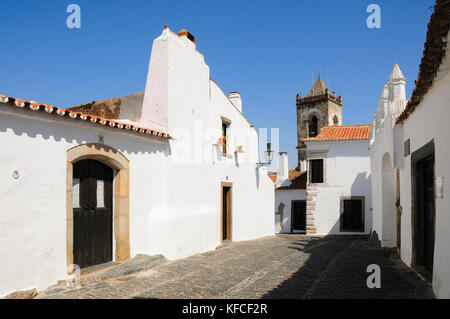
[
  {"x": 313, "y": 127},
  {"x": 316, "y": 169},
  {"x": 224, "y": 136},
  {"x": 335, "y": 120},
  {"x": 352, "y": 217}
]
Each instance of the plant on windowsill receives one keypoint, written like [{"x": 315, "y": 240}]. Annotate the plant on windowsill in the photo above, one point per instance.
[
  {"x": 219, "y": 142},
  {"x": 240, "y": 149}
]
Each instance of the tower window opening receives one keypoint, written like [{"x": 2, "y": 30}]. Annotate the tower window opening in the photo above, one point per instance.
[
  {"x": 335, "y": 120},
  {"x": 313, "y": 127}
]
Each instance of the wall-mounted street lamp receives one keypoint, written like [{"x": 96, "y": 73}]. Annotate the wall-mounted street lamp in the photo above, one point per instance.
[{"x": 268, "y": 155}]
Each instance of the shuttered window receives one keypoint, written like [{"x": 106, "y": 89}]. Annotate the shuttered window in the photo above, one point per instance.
[{"x": 316, "y": 170}]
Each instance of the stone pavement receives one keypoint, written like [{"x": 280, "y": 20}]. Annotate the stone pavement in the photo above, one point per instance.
[{"x": 281, "y": 266}]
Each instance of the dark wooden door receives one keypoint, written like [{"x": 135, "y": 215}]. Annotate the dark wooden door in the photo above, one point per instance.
[
  {"x": 352, "y": 216},
  {"x": 429, "y": 214},
  {"x": 299, "y": 215},
  {"x": 92, "y": 213},
  {"x": 226, "y": 213}
]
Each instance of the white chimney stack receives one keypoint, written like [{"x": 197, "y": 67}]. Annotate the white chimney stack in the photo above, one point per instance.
[
  {"x": 283, "y": 170},
  {"x": 178, "y": 79},
  {"x": 235, "y": 98}
]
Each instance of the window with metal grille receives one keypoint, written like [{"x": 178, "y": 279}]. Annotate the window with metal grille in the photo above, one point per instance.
[{"x": 316, "y": 169}]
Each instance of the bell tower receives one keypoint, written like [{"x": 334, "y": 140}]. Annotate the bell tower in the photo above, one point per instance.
[{"x": 318, "y": 109}]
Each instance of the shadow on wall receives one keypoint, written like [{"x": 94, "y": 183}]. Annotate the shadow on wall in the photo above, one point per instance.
[
  {"x": 336, "y": 267},
  {"x": 361, "y": 182}
]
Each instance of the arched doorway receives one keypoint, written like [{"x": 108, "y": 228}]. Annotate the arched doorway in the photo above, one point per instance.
[
  {"x": 92, "y": 213},
  {"x": 91, "y": 169},
  {"x": 389, "y": 223}
]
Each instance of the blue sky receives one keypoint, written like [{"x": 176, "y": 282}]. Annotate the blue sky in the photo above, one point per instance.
[{"x": 267, "y": 50}]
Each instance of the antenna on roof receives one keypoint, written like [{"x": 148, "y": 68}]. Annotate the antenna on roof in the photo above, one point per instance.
[{"x": 328, "y": 79}]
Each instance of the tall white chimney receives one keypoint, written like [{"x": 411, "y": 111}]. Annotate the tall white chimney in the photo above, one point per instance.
[
  {"x": 177, "y": 81},
  {"x": 235, "y": 98},
  {"x": 283, "y": 170}
]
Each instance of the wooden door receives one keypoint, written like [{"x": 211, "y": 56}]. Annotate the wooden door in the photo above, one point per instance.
[
  {"x": 92, "y": 213},
  {"x": 429, "y": 214},
  {"x": 226, "y": 213},
  {"x": 298, "y": 215}
]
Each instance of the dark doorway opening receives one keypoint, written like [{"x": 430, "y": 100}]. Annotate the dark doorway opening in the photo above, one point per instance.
[
  {"x": 422, "y": 163},
  {"x": 92, "y": 213},
  {"x": 226, "y": 211},
  {"x": 298, "y": 216},
  {"x": 352, "y": 217}
]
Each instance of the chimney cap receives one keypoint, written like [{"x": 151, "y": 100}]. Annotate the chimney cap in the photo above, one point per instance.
[{"x": 184, "y": 32}]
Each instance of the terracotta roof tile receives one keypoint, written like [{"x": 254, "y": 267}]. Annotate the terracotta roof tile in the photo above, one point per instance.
[
  {"x": 297, "y": 178},
  {"x": 433, "y": 54},
  {"x": 346, "y": 132},
  {"x": 30, "y": 105}
]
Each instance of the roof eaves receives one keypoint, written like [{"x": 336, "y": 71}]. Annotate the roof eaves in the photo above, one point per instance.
[{"x": 22, "y": 104}]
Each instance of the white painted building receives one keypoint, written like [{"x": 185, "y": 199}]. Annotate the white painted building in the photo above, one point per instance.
[
  {"x": 152, "y": 169},
  {"x": 330, "y": 190},
  {"x": 410, "y": 161},
  {"x": 338, "y": 191},
  {"x": 290, "y": 197}
]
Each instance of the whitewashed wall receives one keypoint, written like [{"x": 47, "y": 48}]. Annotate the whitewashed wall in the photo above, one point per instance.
[
  {"x": 174, "y": 186},
  {"x": 347, "y": 173},
  {"x": 286, "y": 196},
  {"x": 194, "y": 106},
  {"x": 430, "y": 121},
  {"x": 386, "y": 156},
  {"x": 33, "y": 222}
]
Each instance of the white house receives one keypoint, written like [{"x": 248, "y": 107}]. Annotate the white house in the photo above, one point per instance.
[
  {"x": 329, "y": 191},
  {"x": 410, "y": 160},
  {"x": 338, "y": 191},
  {"x": 290, "y": 197},
  {"x": 171, "y": 171}
]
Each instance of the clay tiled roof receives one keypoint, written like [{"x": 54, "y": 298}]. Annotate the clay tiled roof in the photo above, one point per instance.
[
  {"x": 66, "y": 113},
  {"x": 297, "y": 178},
  {"x": 346, "y": 132},
  {"x": 433, "y": 53},
  {"x": 109, "y": 108}
]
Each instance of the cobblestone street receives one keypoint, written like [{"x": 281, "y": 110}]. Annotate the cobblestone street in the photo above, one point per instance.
[{"x": 281, "y": 266}]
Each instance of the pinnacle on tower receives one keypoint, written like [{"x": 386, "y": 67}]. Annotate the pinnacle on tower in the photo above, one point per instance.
[
  {"x": 319, "y": 88},
  {"x": 396, "y": 73}
]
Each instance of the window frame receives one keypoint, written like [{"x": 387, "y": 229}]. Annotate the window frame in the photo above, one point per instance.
[
  {"x": 226, "y": 123},
  {"x": 311, "y": 170}
]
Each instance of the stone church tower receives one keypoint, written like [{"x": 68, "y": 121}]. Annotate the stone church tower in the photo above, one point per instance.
[{"x": 318, "y": 109}]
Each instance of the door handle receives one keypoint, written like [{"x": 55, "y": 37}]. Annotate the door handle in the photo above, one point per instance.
[{"x": 93, "y": 206}]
